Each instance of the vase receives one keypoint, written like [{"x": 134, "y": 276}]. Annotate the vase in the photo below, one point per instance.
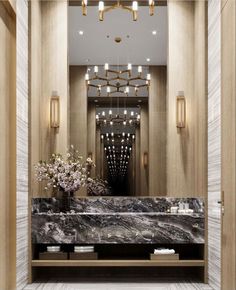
[{"x": 66, "y": 200}]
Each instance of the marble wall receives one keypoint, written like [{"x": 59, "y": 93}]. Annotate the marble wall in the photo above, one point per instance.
[
  {"x": 214, "y": 143},
  {"x": 22, "y": 144}
]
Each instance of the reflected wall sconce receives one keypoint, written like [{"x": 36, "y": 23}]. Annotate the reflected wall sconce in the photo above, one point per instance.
[
  {"x": 55, "y": 111},
  {"x": 180, "y": 110},
  {"x": 145, "y": 159}
]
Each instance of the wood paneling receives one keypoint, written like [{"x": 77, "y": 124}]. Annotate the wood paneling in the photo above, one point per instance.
[
  {"x": 54, "y": 74},
  {"x": 228, "y": 101},
  {"x": 35, "y": 91},
  {"x": 143, "y": 150},
  {"x": 157, "y": 131},
  {"x": 92, "y": 136},
  {"x": 78, "y": 112},
  {"x": 186, "y": 148},
  {"x": 48, "y": 73},
  {"x": 7, "y": 149}
]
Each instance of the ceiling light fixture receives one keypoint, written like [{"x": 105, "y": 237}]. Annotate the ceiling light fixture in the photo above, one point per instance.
[
  {"x": 81, "y": 32},
  {"x": 117, "y": 81},
  {"x": 154, "y": 32},
  {"x": 118, "y": 5},
  {"x": 148, "y": 59}
]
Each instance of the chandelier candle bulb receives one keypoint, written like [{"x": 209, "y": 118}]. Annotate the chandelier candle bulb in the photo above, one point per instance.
[
  {"x": 110, "y": 112},
  {"x": 96, "y": 69},
  {"x": 101, "y": 9},
  {"x": 125, "y": 112},
  {"x": 151, "y": 7},
  {"x": 86, "y": 76},
  {"x": 129, "y": 66},
  {"x": 84, "y": 7},
  {"x": 148, "y": 77},
  {"x": 106, "y": 66},
  {"x": 140, "y": 69}
]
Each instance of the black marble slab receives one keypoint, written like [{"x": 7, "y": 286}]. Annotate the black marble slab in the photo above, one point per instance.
[{"x": 118, "y": 220}]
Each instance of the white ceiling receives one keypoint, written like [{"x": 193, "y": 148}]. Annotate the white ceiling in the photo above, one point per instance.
[{"x": 94, "y": 45}]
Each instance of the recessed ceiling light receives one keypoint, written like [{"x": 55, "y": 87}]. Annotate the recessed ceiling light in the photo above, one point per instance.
[
  {"x": 154, "y": 32},
  {"x": 81, "y": 32},
  {"x": 148, "y": 59}
]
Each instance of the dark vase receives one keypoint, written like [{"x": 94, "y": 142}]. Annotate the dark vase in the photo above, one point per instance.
[{"x": 66, "y": 200}]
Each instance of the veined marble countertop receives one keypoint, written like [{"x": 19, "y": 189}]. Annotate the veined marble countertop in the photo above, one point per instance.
[{"x": 116, "y": 220}]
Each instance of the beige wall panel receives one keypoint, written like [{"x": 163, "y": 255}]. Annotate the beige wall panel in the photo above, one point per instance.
[
  {"x": 91, "y": 135},
  {"x": 54, "y": 75},
  {"x": 200, "y": 93},
  {"x": 98, "y": 156},
  {"x": 7, "y": 150},
  {"x": 228, "y": 101},
  {"x": 157, "y": 131},
  {"x": 186, "y": 148},
  {"x": 137, "y": 162},
  {"x": 78, "y": 112},
  {"x": 35, "y": 91},
  {"x": 144, "y": 149}
]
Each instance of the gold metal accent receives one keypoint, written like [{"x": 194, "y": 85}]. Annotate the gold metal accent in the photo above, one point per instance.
[
  {"x": 180, "y": 112},
  {"x": 118, "y": 39},
  {"x": 55, "y": 112},
  {"x": 84, "y": 8},
  {"x": 118, "y": 5},
  {"x": 122, "y": 79}
]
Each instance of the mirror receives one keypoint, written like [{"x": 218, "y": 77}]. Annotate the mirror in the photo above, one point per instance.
[
  {"x": 118, "y": 82},
  {"x": 115, "y": 69}
]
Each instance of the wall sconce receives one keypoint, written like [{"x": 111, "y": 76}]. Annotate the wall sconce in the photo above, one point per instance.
[
  {"x": 180, "y": 110},
  {"x": 145, "y": 159},
  {"x": 55, "y": 111}
]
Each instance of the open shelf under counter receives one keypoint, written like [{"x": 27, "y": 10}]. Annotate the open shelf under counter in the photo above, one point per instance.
[{"x": 118, "y": 263}]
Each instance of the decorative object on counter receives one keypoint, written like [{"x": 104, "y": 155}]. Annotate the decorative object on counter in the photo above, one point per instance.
[
  {"x": 83, "y": 249},
  {"x": 67, "y": 175},
  {"x": 53, "y": 256},
  {"x": 98, "y": 187},
  {"x": 164, "y": 251},
  {"x": 101, "y": 220},
  {"x": 53, "y": 249},
  {"x": 174, "y": 209},
  {"x": 83, "y": 256}
]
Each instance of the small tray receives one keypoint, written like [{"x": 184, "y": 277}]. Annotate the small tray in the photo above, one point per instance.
[
  {"x": 164, "y": 257},
  {"x": 83, "y": 256},
  {"x": 53, "y": 256}
]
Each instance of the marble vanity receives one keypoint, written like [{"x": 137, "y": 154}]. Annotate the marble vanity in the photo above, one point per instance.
[{"x": 117, "y": 220}]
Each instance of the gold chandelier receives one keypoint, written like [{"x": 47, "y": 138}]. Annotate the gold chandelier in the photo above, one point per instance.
[
  {"x": 118, "y": 81},
  {"x": 102, "y": 9}
]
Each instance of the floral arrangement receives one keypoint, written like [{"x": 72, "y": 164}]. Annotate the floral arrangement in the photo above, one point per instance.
[
  {"x": 98, "y": 187},
  {"x": 68, "y": 175}
]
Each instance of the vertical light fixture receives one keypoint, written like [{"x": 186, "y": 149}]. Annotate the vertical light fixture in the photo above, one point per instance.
[
  {"x": 180, "y": 110},
  {"x": 145, "y": 159},
  {"x": 55, "y": 110}
]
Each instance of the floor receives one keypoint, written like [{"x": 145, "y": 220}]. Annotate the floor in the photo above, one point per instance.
[{"x": 118, "y": 286}]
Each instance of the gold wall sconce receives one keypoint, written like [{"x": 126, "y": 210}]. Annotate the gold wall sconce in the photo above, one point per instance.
[
  {"x": 55, "y": 111},
  {"x": 180, "y": 110},
  {"x": 145, "y": 159}
]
